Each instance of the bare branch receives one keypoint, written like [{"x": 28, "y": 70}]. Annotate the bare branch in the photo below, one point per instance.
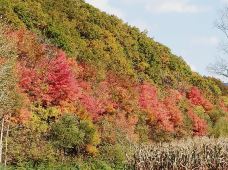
[{"x": 219, "y": 68}]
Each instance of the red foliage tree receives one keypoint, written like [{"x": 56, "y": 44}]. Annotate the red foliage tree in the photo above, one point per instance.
[
  {"x": 196, "y": 98},
  {"x": 170, "y": 103},
  {"x": 92, "y": 105},
  {"x": 148, "y": 96},
  {"x": 50, "y": 81},
  {"x": 199, "y": 125},
  {"x": 156, "y": 110},
  {"x": 108, "y": 97},
  {"x": 62, "y": 84}
]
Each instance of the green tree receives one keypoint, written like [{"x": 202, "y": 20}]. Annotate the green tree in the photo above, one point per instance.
[{"x": 72, "y": 136}]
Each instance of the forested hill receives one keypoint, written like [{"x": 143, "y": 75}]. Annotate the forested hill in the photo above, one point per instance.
[
  {"x": 103, "y": 41},
  {"x": 79, "y": 88}
]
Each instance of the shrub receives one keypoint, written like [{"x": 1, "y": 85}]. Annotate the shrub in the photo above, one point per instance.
[
  {"x": 221, "y": 127},
  {"x": 72, "y": 135},
  {"x": 115, "y": 155}
]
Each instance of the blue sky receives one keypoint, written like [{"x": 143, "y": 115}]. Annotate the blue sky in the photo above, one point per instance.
[{"x": 187, "y": 27}]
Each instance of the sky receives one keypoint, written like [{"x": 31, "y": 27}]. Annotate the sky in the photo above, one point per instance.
[{"x": 187, "y": 27}]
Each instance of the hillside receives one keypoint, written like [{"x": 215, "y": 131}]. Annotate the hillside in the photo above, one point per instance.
[
  {"x": 103, "y": 41},
  {"x": 79, "y": 88}
]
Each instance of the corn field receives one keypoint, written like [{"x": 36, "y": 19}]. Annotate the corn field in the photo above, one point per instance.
[{"x": 198, "y": 154}]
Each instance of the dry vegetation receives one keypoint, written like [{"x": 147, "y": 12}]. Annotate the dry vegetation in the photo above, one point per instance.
[{"x": 198, "y": 153}]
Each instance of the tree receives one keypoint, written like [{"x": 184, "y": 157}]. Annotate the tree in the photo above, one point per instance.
[
  {"x": 220, "y": 67},
  {"x": 197, "y": 98},
  {"x": 73, "y": 136},
  {"x": 51, "y": 81}
]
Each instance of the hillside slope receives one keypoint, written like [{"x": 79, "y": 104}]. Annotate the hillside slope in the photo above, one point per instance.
[
  {"x": 80, "y": 87},
  {"x": 103, "y": 41}
]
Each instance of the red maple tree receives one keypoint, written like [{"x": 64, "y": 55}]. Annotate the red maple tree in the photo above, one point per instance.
[
  {"x": 50, "y": 81},
  {"x": 196, "y": 98}
]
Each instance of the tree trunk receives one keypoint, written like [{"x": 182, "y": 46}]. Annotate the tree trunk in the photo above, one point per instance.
[
  {"x": 1, "y": 139},
  {"x": 6, "y": 143}
]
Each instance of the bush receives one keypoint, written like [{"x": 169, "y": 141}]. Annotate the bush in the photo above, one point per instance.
[
  {"x": 221, "y": 127},
  {"x": 71, "y": 135},
  {"x": 115, "y": 155}
]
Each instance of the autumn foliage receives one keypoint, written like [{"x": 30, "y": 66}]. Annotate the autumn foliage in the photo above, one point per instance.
[
  {"x": 54, "y": 80},
  {"x": 85, "y": 88},
  {"x": 51, "y": 81},
  {"x": 164, "y": 112},
  {"x": 196, "y": 97},
  {"x": 199, "y": 125}
]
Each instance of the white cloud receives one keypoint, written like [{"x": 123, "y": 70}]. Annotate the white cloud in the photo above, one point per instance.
[
  {"x": 208, "y": 41},
  {"x": 104, "y": 5},
  {"x": 174, "y": 6}
]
